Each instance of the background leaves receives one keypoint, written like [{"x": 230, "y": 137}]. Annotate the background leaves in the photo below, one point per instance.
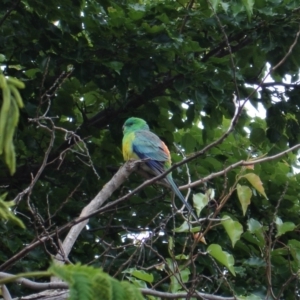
[{"x": 87, "y": 67}]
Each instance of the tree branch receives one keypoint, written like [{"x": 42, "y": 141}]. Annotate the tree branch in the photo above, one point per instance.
[
  {"x": 94, "y": 205},
  {"x": 62, "y": 285},
  {"x": 102, "y": 196},
  {"x": 241, "y": 163}
]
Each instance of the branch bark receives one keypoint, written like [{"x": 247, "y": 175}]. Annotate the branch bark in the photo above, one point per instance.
[
  {"x": 94, "y": 205},
  {"x": 54, "y": 286}
]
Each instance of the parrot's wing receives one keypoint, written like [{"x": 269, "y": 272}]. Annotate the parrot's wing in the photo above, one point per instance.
[{"x": 148, "y": 145}]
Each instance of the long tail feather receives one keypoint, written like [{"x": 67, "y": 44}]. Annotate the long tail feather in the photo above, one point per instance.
[{"x": 180, "y": 196}]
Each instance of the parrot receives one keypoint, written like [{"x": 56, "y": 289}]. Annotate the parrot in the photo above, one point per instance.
[{"x": 140, "y": 143}]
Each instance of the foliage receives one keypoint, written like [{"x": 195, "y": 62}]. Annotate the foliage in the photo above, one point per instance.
[
  {"x": 87, "y": 66},
  {"x": 90, "y": 283},
  {"x": 9, "y": 117},
  {"x": 6, "y": 214}
]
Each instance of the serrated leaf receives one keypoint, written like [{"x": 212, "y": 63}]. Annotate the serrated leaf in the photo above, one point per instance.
[
  {"x": 244, "y": 194},
  {"x": 117, "y": 290},
  {"x": 102, "y": 286},
  {"x": 130, "y": 292},
  {"x": 256, "y": 183},
  {"x": 222, "y": 257},
  {"x": 282, "y": 228},
  {"x": 89, "y": 283},
  {"x": 233, "y": 228},
  {"x": 80, "y": 280}
]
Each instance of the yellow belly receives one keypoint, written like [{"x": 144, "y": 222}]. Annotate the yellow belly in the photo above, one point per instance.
[{"x": 127, "y": 147}]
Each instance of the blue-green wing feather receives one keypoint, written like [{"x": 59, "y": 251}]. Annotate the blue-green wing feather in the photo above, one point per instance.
[{"x": 147, "y": 145}]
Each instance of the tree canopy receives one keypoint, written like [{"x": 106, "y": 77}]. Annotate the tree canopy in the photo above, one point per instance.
[{"x": 190, "y": 69}]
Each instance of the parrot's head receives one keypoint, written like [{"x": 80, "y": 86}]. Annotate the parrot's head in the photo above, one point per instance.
[{"x": 133, "y": 124}]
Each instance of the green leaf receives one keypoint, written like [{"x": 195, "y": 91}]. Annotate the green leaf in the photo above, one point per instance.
[
  {"x": 225, "y": 6},
  {"x": 237, "y": 8},
  {"x": 200, "y": 201},
  {"x": 244, "y": 194},
  {"x": 2, "y": 58},
  {"x": 294, "y": 246},
  {"x": 257, "y": 230},
  {"x": 257, "y": 136},
  {"x": 182, "y": 257},
  {"x": 254, "y": 226},
  {"x": 221, "y": 256},
  {"x": 282, "y": 228},
  {"x": 115, "y": 65},
  {"x": 170, "y": 245},
  {"x": 180, "y": 275},
  {"x": 137, "y": 11},
  {"x": 214, "y": 4},
  {"x": 256, "y": 183},
  {"x": 130, "y": 292},
  {"x": 234, "y": 229},
  {"x": 249, "y": 7},
  {"x": 6, "y": 213},
  {"x": 188, "y": 142},
  {"x": 184, "y": 227},
  {"x": 257, "y": 262},
  {"x": 92, "y": 283},
  {"x": 140, "y": 274}
]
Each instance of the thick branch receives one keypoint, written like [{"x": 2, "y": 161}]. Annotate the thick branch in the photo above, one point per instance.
[
  {"x": 196, "y": 294},
  {"x": 95, "y": 204},
  {"x": 62, "y": 285},
  {"x": 102, "y": 196},
  {"x": 39, "y": 286}
]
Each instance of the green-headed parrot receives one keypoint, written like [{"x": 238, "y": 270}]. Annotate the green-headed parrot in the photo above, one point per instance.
[{"x": 140, "y": 143}]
